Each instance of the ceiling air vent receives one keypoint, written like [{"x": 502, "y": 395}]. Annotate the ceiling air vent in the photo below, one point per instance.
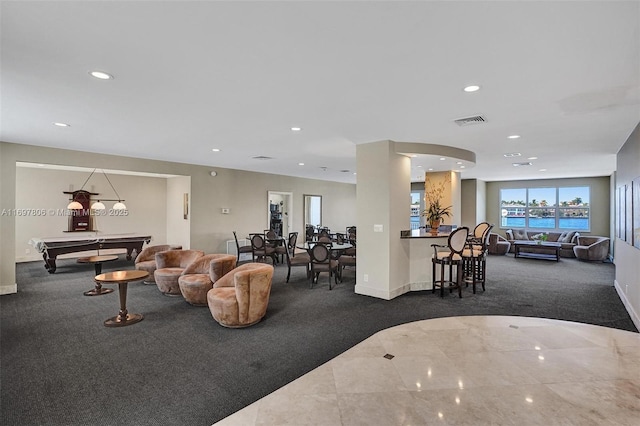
[
  {"x": 467, "y": 121},
  {"x": 522, "y": 164},
  {"x": 262, "y": 157}
]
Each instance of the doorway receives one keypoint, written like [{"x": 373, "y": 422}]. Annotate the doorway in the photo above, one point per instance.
[{"x": 279, "y": 212}]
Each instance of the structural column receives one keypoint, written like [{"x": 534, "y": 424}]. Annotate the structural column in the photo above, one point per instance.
[{"x": 383, "y": 206}]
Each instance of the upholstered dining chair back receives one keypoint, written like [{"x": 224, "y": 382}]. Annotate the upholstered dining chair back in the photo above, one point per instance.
[
  {"x": 480, "y": 230},
  {"x": 324, "y": 233},
  {"x": 323, "y": 261},
  {"x": 458, "y": 240},
  {"x": 260, "y": 249}
]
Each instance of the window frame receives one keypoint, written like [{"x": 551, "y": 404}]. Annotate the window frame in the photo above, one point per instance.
[{"x": 556, "y": 207}]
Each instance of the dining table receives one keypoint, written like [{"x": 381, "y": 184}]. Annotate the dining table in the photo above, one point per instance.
[{"x": 334, "y": 246}]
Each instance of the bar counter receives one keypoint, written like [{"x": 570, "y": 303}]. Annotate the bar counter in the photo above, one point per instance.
[
  {"x": 421, "y": 233},
  {"x": 417, "y": 245}
]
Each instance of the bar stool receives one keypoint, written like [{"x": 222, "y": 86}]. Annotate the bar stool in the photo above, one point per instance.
[
  {"x": 452, "y": 256},
  {"x": 474, "y": 259}
]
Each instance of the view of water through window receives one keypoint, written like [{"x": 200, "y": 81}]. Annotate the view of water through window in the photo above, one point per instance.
[{"x": 545, "y": 208}]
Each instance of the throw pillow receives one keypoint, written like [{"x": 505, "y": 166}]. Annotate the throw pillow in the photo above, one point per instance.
[
  {"x": 520, "y": 234},
  {"x": 570, "y": 236},
  {"x": 563, "y": 237}
]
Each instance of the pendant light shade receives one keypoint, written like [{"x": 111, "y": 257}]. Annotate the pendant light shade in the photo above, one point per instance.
[
  {"x": 98, "y": 205},
  {"x": 119, "y": 206},
  {"x": 74, "y": 205}
]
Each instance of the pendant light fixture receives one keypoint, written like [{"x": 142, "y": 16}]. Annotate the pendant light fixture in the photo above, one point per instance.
[{"x": 99, "y": 205}]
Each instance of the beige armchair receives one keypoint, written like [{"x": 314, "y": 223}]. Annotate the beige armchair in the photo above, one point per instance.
[
  {"x": 146, "y": 259},
  {"x": 240, "y": 298},
  {"x": 198, "y": 278},
  {"x": 170, "y": 265},
  {"x": 592, "y": 248}
]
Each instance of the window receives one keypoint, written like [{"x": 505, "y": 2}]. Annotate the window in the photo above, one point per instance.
[
  {"x": 545, "y": 208},
  {"x": 416, "y": 208}
]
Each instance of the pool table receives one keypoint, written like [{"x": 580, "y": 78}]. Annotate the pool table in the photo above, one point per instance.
[{"x": 51, "y": 247}]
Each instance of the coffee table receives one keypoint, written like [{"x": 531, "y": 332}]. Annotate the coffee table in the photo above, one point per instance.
[
  {"x": 122, "y": 278},
  {"x": 544, "y": 250},
  {"x": 97, "y": 263}
]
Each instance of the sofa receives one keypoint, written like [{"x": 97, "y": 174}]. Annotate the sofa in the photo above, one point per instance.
[
  {"x": 592, "y": 248},
  {"x": 567, "y": 239}
]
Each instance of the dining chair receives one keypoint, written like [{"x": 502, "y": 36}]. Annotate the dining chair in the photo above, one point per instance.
[
  {"x": 324, "y": 233},
  {"x": 241, "y": 249},
  {"x": 260, "y": 250},
  {"x": 449, "y": 255},
  {"x": 293, "y": 260},
  {"x": 323, "y": 261},
  {"x": 289, "y": 244},
  {"x": 309, "y": 233},
  {"x": 347, "y": 259}
]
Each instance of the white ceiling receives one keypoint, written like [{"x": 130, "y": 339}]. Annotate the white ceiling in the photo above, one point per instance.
[{"x": 192, "y": 76}]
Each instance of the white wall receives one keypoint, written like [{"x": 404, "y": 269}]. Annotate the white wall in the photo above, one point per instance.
[
  {"x": 41, "y": 190},
  {"x": 244, "y": 193},
  {"x": 626, "y": 256}
]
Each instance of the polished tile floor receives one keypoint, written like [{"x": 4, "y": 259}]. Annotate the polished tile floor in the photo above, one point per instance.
[{"x": 475, "y": 370}]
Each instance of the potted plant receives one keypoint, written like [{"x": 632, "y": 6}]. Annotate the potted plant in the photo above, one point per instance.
[{"x": 435, "y": 213}]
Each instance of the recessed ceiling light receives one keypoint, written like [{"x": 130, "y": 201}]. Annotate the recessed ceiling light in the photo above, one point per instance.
[
  {"x": 522, "y": 164},
  {"x": 442, "y": 158},
  {"x": 101, "y": 75},
  {"x": 300, "y": 164},
  {"x": 458, "y": 162},
  {"x": 216, "y": 150},
  {"x": 472, "y": 88},
  {"x": 532, "y": 158},
  {"x": 355, "y": 173},
  {"x": 512, "y": 154},
  {"x": 462, "y": 167},
  {"x": 61, "y": 124},
  {"x": 542, "y": 170},
  {"x": 513, "y": 137},
  {"x": 419, "y": 167},
  {"x": 430, "y": 168},
  {"x": 296, "y": 129}
]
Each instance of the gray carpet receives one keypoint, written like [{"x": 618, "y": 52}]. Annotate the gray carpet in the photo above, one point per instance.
[{"x": 61, "y": 366}]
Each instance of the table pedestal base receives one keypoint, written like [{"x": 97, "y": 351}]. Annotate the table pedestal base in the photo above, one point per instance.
[
  {"x": 99, "y": 290},
  {"x": 119, "y": 321}
]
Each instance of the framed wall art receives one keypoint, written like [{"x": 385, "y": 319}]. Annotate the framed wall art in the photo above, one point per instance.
[{"x": 636, "y": 211}]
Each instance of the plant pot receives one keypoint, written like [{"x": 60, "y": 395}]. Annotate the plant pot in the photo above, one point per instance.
[{"x": 435, "y": 224}]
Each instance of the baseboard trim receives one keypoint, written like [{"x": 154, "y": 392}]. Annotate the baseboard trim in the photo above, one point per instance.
[
  {"x": 8, "y": 289},
  {"x": 373, "y": 292},
  {"x": 623, "y": 297}
]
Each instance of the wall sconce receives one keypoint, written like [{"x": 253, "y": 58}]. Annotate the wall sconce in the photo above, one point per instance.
[{"x": 98, "y": 205}]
